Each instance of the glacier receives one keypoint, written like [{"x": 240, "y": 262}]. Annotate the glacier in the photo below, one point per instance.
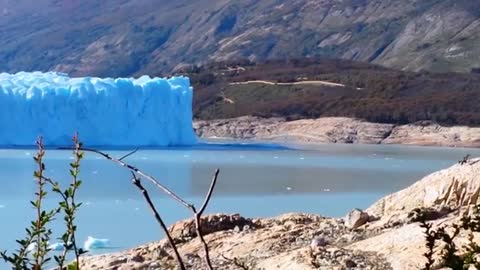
[{"x": 104, "y": 111}]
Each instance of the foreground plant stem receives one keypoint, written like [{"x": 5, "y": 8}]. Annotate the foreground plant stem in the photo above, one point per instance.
[{"x": 40, "y": 232}]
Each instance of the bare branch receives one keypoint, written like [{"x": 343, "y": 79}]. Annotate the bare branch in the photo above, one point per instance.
[
  {"x": 136, "y": 170},
  {"x": 209, "y": 193},
  {"x": 138, "y": 184},
  {"x": 196, "y": 214},
  {"x": 129, "y": 154},
  {"x": 205, "y": 245}
]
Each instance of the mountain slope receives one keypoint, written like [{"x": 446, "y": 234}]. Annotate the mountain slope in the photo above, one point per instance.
[
  {"x": 309, "y": 88},
  {"x": 131, "y": 37}
]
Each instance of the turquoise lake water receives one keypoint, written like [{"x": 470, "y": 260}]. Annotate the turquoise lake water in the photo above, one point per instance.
[{"x": 255, "y": 181}]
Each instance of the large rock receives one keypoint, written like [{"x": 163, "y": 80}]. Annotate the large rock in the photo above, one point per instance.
[
  {"x": 454, "y": 187},
  {"x": 186, "y": 230},
  {"x": 356, "y": 218}
]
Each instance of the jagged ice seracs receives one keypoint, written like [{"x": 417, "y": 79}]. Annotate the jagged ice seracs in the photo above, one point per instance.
[{"x": 104, "y": 111}]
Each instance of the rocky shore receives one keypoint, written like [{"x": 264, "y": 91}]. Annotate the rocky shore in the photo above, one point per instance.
[
  {"x": 385, "y": 236},
  {"x": 338, "y": 130}
]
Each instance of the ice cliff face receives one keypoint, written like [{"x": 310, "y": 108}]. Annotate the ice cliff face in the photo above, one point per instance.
[{"x": 105, "y": 112}]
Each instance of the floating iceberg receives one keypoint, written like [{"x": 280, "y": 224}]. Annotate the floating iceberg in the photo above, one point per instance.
[
  {"x": 58, "y": 246},
  {"x": 105, "y": 112},
  {"x": 95, "y": 243}
]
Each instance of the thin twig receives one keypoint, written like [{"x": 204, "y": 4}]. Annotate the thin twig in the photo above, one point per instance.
[
  {"x": 198, "y": 216},
  {"x": 138, "y": 184},
  {"x": 75, "y": 184},
  {"x": 136, "y": 170},
  {"x": 209, "y": 193},
  {"x": 129, "y": 154},
  {"x": 200, "y": 236}
]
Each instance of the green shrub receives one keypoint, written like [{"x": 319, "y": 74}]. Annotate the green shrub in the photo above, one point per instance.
[{"x": 34, "y": 251}]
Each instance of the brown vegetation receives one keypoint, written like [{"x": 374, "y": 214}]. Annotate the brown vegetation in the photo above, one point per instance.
[{"x": 371, "y": 92}]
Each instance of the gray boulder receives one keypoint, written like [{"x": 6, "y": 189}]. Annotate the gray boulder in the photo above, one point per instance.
[{"x": 356, "y": 218}]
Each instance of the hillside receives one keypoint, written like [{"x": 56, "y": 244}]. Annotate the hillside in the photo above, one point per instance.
[
  {"x": 312, "y": 88},
  {"x": 132, "y": 37}
]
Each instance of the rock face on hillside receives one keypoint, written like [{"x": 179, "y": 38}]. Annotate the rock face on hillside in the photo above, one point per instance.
[
  {"x": 111, "y": 38},
  {"x": 329, "y": 129},
  {"x": 388, "y": 237},
  {"x": 337, "y": 130}
]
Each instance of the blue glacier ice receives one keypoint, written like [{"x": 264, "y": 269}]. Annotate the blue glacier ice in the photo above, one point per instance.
[{"x": 104, "y": 111}]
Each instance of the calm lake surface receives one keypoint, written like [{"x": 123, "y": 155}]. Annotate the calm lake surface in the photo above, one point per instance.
[{"x": 255, "y": 181}]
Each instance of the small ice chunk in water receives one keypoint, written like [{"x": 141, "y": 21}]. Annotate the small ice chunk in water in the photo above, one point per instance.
[
  {"x": 56, "y": 246},
  {"x": 289, "y": 188},
  {"x": 2, "y": 206},
  {"x": 95, "y": 243}
]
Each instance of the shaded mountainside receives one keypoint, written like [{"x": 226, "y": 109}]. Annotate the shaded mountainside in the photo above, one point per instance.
[
  {"x": 131, "y": 37},
  {"x": 299, "y": 89}
]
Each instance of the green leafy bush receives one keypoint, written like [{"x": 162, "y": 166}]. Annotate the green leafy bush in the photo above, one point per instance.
[{"x": 450, "y": 254}]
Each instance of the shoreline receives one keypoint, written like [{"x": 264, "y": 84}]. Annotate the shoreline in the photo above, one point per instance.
[
  {"x": 386, "y": 235},
  {"x": 337, "y": 130}
]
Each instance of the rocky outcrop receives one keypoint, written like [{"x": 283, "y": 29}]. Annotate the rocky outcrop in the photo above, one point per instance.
[
  {"x": 337, "y": 130},
  {"x": 454, "y": 187},
  {"x": 186, "y": 230},
  {"x": 283, "y": 242},
  {"x": 433, "y": 134},
  {"x": 442, "y": 197}
]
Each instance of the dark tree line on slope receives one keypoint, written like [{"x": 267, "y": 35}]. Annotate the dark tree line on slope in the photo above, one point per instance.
[{"x": 372, "y": 92}]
